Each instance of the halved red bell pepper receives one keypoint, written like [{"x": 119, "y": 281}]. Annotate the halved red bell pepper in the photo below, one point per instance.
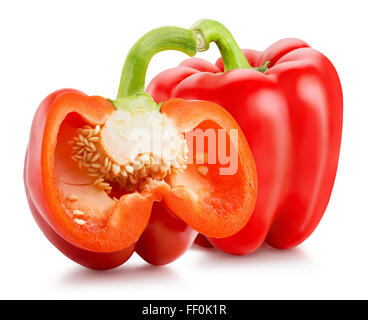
[
  {"x": 288, "y": 101},
  {"x": 97, "y": 206}
]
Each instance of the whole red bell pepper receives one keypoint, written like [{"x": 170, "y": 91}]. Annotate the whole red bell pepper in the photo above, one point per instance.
[
  {"x": 99, "y": 190},
  {"x": 288, "y": 101}
]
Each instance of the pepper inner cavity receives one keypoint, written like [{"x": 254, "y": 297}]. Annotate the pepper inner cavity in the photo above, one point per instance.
[{"x": 130, "y": 149}]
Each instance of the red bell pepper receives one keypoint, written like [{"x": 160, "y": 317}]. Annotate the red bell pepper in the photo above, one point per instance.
[
  {"x": 99, "y": 191},
  {"x": 288, "y": 101}
]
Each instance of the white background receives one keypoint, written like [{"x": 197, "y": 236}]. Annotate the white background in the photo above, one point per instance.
[{"x": 47, "y": 45}]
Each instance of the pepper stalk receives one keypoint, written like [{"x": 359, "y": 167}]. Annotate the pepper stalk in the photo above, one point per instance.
[{"x": 131, "y": 93}]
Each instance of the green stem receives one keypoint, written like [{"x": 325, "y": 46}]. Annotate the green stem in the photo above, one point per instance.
[
  {"x": 132, "y": 93},
  {"x": 133, "y": 76},
  {"x": 213, "y": 31},
  {"x": 263, "y": 68}
]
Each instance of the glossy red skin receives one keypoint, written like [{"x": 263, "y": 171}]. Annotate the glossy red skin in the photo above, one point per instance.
[
  {"x": 202, "y": 241},
  {"x": 174, "y": 236},
  {"x": 292, "y": 118},
  {"x": 166, "y": 237}
]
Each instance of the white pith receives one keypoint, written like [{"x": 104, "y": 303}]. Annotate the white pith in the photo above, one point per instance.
[{"x": 130, "y": 149}]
